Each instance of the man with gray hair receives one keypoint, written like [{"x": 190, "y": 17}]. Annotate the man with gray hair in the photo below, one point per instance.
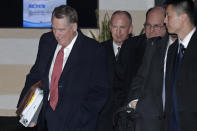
[
  {"x": 147, "y": 94},
  {"x": 124, "y": 57},
  {"x": 73, "y": 72},
  {"x": 154, "y": 25}
]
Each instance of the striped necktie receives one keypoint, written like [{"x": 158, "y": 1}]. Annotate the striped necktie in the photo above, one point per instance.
[{"x": 57, "y": 70}]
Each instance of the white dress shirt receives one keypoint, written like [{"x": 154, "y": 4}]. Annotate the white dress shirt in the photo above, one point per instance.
[
  {"x": 185, "y": 43},
  {"x": 170, "y": 42},
  {"x": 67, "y": 51},
  {"x": 187, "y": 38},
  {"x": 115, "y": 47}
]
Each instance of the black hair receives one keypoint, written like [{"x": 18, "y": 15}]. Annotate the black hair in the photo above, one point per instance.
[{"x": 184, "y": 6}]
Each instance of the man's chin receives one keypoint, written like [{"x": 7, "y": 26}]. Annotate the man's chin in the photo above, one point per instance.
[
  {"x": 119, "y": 41},
  {"x": 60, "y": 43},
  {"x": 171, "y": 32}
]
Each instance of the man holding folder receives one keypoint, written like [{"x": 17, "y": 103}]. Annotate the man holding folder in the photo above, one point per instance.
[{"x": 72, "y": 68}]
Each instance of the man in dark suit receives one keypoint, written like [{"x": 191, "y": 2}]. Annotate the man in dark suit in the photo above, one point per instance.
[
  {"x": 146, "y": 94},
  {"x": 153, "y": 26},
  {"x": 124, "y": 57},
  {"x": 73, "y": 71},
  {"x": 181, "y": 80},
  {"x": 147, "y": 88}
]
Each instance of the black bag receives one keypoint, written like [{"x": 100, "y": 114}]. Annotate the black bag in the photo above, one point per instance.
[{"x": 124, "y": 119}]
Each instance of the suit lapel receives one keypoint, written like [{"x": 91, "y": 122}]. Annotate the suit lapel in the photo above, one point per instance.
[
  {"x": 74, "y": 55},
  {"x": 169, "y": 72},
  {"x": 51, "y": 54},
  {"x": 164, "y": 44},
  {"x": 189, "y": 58},
  {"x": 111, "y": 52},
  {"x": 73, "y": 59},
  {"x": 186, "y": 66},
  {"x": 110, "y": 59},
  {"x": 158, "y": 59},
  {"x": 190, "y": 52}
]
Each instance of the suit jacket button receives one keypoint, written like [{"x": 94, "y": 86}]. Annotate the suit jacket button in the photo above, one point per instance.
[
  {"x": 60, "y": 86},
  {"x": 162, "y": 117}
]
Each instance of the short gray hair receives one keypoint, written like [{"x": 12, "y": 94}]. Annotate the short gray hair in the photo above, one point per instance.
[{"x": 65, "y": 11}]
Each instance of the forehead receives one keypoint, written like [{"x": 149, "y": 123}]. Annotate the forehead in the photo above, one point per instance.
[
  {"x": 59, "y": 22},
  {"x": 155, "y": 18},
  {"x": 120, "y": 18},
  {"x": 170, "y": 10}
]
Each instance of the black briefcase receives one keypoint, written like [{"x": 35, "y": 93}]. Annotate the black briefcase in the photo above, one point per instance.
[{"x": 124, "y": 119}]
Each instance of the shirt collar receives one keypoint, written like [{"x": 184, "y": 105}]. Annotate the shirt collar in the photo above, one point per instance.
[
  {"x": 115, "y": 47},
  {"x": 170, "y": 42},
  {"x": 70, "y": 46},
  {"x": 186, "y": 40}
]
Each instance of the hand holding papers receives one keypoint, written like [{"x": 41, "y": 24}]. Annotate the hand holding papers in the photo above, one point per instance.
[{"x": 31, "y": 105}]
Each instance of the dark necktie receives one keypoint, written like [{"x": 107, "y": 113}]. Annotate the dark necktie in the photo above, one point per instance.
[
  {"x": 57, "y": 70},
  {"x": 117, "y": 54},
  {"x": 174, "y": 120}
]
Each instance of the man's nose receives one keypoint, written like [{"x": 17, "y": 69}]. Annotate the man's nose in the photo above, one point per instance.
[
  {"x": 118, "y": 31},
  {"x": 165, "y": 20},
  {"x": 152, "y": 28}
]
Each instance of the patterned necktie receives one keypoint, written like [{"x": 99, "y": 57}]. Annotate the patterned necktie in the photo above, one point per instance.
[
  {"x": 57, "y": 70},
  {"x": 174, "y": 120},
  {"x": 117, "y": 54},
  {"x": 181, "y": 52}
]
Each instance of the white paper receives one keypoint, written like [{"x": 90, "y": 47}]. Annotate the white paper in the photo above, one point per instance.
[{"x": 31, "y": 112}]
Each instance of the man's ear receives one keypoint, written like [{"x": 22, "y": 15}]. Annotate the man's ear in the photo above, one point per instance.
[
  {"x": 131, "y": 29},
  {"x": 184, "y": 17},
  {"x": 110, "y": 27},
  {"x": 75, "y": 26}
]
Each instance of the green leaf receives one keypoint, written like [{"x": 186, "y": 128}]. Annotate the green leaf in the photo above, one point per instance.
[{"x": 104, "y": 30}]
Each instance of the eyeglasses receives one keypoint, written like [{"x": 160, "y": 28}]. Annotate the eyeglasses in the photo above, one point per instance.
[{"x": 155, "y": 27}]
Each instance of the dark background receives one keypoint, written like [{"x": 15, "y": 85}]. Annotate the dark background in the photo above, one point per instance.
[{"x": 11, "y": 13}]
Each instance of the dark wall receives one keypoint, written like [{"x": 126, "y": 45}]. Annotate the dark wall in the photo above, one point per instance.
[
  {"x": 86, "y": 11},
  {"x": 195, "y": 2},
  {"x": 159, "y": 2},
  {"x": 11, "y": 13}
]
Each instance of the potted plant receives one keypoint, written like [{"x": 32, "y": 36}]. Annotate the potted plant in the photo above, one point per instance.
[{"x": 103, "y": 28}]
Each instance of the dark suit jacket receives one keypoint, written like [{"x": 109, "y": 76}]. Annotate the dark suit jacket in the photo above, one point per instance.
[
  {"x": 186, "y": 84},
  {"x": 83, "y": 84},
  {"x": 121, "y": 73},
  {"x": 147, "y": 86}
]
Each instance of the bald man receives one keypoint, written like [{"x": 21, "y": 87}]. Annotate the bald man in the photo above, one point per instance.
[
  {"x": 124, "y": 57},
  {"x": 147, "y": 87},
  {"x": 154, "y": 25}
]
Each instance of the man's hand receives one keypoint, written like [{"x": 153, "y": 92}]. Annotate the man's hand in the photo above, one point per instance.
[
  {"x": 32, "y": 124},
  {"x": 133, "y": 104}
]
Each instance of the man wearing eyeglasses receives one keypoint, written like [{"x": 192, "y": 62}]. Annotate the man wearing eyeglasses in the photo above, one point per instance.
[
  {"x": 147, "y": 90},
  {"x": 154, "y": 25}
]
